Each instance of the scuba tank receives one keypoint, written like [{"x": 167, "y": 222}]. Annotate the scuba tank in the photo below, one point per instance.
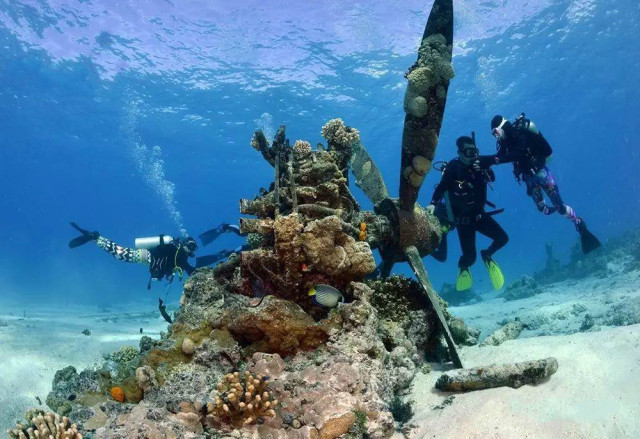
[
  {"x": 522, "y": 122},
  {"x": 152, "y": 241}
]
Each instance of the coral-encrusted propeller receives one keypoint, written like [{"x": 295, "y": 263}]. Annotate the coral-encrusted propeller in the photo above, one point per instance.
[{"x": 415, "y": 232}]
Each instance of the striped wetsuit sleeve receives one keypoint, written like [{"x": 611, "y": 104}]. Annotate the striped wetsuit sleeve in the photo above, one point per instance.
[{"x": 140, "y": 256}]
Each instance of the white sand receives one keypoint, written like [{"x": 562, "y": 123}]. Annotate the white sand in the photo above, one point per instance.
[
  {"x": 595, "y": 393},
  {"x": 34, "y": 347}
]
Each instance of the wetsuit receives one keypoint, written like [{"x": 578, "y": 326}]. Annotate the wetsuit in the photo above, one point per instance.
[
  {"x": 163, "y": 260},
  {"x": 467, "y": 196},
  {"x": 528, "y": 151}
]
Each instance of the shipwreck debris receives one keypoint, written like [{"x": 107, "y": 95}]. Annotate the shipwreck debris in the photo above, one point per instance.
[{"x": 511, "y": 375}]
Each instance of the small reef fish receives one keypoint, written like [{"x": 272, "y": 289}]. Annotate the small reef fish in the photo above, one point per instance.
[{"x": 326, "y": 295}]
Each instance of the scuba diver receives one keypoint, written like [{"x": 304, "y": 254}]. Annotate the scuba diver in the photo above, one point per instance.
[
  {"x": 464, "y": 186},
  {"x": 164, "y": 255},
  {"x": 522, "y": 144}
]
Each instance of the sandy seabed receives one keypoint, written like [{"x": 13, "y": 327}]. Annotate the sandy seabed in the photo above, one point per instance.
[
  {"x": 594, "y": 395},
  {"x": 36, "y": 343}
]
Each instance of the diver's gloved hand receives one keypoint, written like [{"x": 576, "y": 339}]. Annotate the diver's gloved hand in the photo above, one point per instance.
[
  {"x": 476, "y": 165},
  {"x": 431, "y": 209},
  {"x": 85, "y": 236}
]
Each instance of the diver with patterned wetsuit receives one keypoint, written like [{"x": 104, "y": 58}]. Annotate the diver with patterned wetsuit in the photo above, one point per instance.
[
  {"x": 464, "y": 184},
  {"x": 164, "y": 261},
  {"x": 522, "y": 144}
]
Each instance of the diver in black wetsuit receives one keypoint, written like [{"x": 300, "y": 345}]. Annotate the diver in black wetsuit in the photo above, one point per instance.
[
  {"x": 464, "y": 185},
  {"x": 165, "y": 260},
  {"x": 522, "y": 144}
]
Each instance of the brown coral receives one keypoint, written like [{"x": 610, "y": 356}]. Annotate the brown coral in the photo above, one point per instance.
[
  {"x": 45, "y": 425},
  {"x": 329, "y": 250},
  {"x": 241, "y": 400}
]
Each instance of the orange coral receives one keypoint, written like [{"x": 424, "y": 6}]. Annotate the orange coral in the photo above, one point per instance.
[
  {"x": 363, "y": 231},
  {"x": 117, "y": 393}
]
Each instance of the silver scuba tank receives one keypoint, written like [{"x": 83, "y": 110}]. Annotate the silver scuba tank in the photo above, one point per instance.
[{"x": 150, "y": 242}]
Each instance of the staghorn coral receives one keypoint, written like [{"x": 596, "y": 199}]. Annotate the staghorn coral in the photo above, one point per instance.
[
  {"x": 45, "y": 425},
  {"x": 336, "y": 132},
  {"x": 241, "y": 400}
]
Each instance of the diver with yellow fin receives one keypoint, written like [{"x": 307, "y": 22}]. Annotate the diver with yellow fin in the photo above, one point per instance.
[{"x": 464, "y": 187}]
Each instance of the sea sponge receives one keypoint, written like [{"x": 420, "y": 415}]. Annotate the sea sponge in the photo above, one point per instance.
[
  {"x": 117, "y": 394},
  {"x": 335, "y": 131},
  {"x": 242, "y": 399},
  {"x": 45, "y": 425},
  {"x": 188, "y": 347},
  {"x": 421, "y": 165},
  {"x": 415, "y": 98},
  {"x": 434, "y": 54}
]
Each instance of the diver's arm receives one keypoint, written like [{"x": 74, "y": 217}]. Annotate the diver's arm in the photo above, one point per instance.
[
  {"x": 140, "y": 256},
  {"x": 487, "y": 161},
  {"x": 445, "y": 181},
  {"x": 188, "y": 268}
]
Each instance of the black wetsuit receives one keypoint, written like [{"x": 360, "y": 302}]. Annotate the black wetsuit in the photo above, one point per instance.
[
  {"x": 467, "y": 197},
  {"x": 528, "y": 151}
]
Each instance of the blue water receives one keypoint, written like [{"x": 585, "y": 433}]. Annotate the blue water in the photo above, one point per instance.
[{"x": 134, "y": 119}]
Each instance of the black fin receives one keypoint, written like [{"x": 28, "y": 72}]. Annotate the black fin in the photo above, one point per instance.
[
  {"x": 205, "y": 261},
  {"x": 80, "y": 240},
  {"x": 211, "y": 235},
  {"x": 588, "y": 240}
]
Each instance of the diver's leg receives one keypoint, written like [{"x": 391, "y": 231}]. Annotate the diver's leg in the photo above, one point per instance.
[
  {"x": 490, "y": 228},
  {"x": 440, "y": 253},
  {"x": 553, "y": 192},
  {"x": 467, "y": 237},
  {"x": 126, "y": 254},
  {"x": 534, "y": 190}
]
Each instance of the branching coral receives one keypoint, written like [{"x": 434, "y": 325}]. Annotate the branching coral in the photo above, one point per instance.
[
  {"x": 241, "y": 400},
  {"x": 44, "y": 425},
  {"x": 335, "y": 131}
]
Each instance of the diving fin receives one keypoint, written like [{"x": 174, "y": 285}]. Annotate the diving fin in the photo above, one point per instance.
[
  {"x": 464, "y": 281},
  {"x": 80, "y": 240},
  {"x": 205, "y": 261},
  {"x": 495, "y": 273},
  {"x": 588, "y": 240},
  {"x": 85, "y": 236},
  {"x": 211, "y": 235}
]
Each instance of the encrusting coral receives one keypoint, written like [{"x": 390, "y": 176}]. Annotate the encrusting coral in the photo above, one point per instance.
[
  {"x": 44, "y": 425},
  {"x": 241, "y": 400}
]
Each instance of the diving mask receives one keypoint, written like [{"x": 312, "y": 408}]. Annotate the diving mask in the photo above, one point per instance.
[{"x": 498, "y": 132}]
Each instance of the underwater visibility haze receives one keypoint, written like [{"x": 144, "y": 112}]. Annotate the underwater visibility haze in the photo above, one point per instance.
[{"x": 135, "y": 119}]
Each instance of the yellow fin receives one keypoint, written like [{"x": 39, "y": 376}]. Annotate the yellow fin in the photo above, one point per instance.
[{"x": 464, "y": 281}]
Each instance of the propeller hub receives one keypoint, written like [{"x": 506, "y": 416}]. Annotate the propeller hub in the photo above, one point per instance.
[{"x": 410, "y": 228}]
